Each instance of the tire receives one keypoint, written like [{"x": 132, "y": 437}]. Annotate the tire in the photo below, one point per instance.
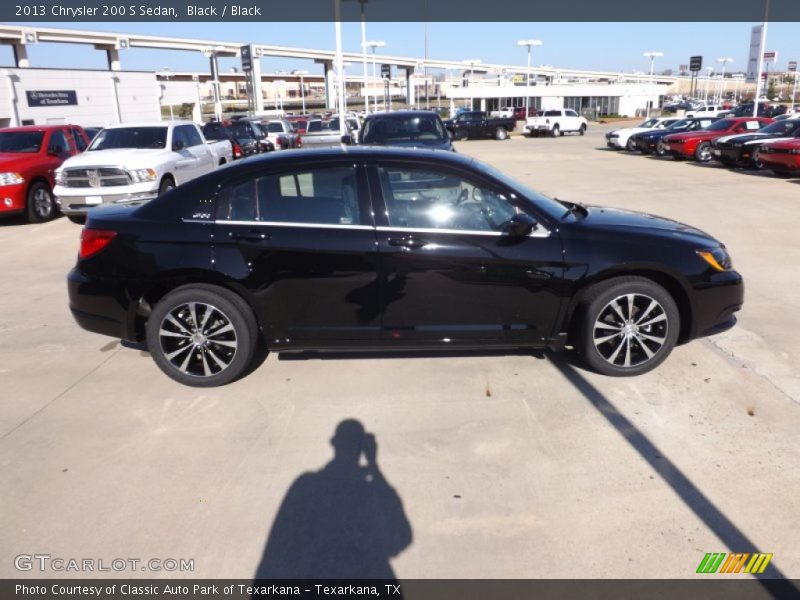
[
  {"x": 166, "y": 185},
  {"x": 630, "y": 145},
  {"x": 703, "y": 152},
  {"x": 40, "y": 205},
  {"x": 758, "y": 164},
  {"x": 213, "y": 357},
  {"x": 582, "y": 130},
  {"x": 660, "y": 151},
  {"x": 500, "y": 133},
  {"x": 642, "y": 347},
  {"x": 77, "y": 219},
  {"x": 556, "y": 131}
]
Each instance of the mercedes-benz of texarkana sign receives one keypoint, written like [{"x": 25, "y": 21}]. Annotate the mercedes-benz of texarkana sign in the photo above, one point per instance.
[{"x": 370, "y": 248}]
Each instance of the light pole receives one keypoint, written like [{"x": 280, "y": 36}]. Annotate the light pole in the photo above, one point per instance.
[
  {"x": 738, "y": 77},
  {"x": 302, "y": 87},
  {"x": 706, "y": 84},
  {"x": 372, "y": 44},
  {"x": 528, "y": 43},
  {"x": 471, "y": 62},
  {"x": 724, "y": 62},
  {"x": 166, "y": 75},
  {"x": 652, "y": 55}
]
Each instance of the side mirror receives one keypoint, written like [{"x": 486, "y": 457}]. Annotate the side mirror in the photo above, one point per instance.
[
  {"x": 55, "y": 150},
  {"x": 347, "y": 140},
  {"x": 177, "y": 146},
  {"x": 519, "y": 225}
]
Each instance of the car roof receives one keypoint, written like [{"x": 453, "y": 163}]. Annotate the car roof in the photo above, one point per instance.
[
  {"x": 36, "y": 127},
  {"x": 405, "y": 113}
]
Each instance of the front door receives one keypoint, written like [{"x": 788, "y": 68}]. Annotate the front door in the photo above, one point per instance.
[
  {"x": 447, "y": 271},
  {"x": 300, "y": 240}
]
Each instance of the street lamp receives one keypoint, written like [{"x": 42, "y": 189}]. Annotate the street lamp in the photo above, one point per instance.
[
  {"x": 652, "y": 55},
  {"x": 724, "y": 62},
  {"x": 302, "y": 87},
  {"x": 471, "y": 62},
  {"x": 528, "y": 43},
  {"x": 738, "y": 77},
  {"x": 166, "y": 75},
  {"x": 211, "y": 54},
  {"x": 372, "y": 44}
]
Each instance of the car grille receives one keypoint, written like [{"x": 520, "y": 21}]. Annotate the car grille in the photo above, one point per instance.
[{"x": 96, "y": 177}]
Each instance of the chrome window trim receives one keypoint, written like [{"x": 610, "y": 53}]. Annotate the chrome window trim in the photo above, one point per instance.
[{"x": 539, "y": 232}]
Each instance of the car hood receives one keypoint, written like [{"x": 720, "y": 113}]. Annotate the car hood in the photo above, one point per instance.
[
  {"x": 125, "y": 157},
  {"x": 655, "y": 134},
  {"x": 753, "y": 138},
  {"x": 15, "y": 161},
  {"x": 617, "y": 219},
  {"x": 443, "y": 144},
  {"x": 696, "y": 135}
]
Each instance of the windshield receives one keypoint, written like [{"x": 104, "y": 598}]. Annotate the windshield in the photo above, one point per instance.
[
  {"x": 241, "y": 129},
  {"x": 682, "y": 124},
  {"x": 214, "y": 131},
  {"x": 720, "y": 125},
  {"x": 649, "y": 123},
  {"x": 275, "y": 127},
  {"x": 782, "y": 127},
  {"x": 130, "y": 137},
  {"x": 552, "y": 208},
  {"x": 21, "y": 141},
  {"x": 398, "y": 129}
]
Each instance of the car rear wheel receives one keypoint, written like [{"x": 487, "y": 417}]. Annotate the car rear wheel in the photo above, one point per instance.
[
  {"x": 630, "y": 325},
  {"x": 202, "y": 336},
  {"x": 166, "y": 185},
  {"x": 500, "y": 133},
  {"x": 630, "y": 145},
  {"x": 40, "y": 205},
  {"x": 556, "y": 131},
  {"x": 660, "y": 150},
  {"x": 703, "y": 152},
  {"x": 582, "y": 130}
]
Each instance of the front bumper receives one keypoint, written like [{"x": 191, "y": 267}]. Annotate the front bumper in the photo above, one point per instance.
[
  {"x": 647, "y": 146},
  {"x": 732, "y": 156},
  {"x": 679, "y": 150},
  {"x": 783, "y": 162},
  {"x": 13, "y": 198},
  {"x": 101, "y": 306},
  {"x": 715, "y": 302},
  {"x": 78, "y": 201}
]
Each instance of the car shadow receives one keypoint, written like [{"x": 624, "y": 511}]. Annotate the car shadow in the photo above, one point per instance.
[
  {"x": 773, "y": 579},
  {"x": 17, "y": 220}
]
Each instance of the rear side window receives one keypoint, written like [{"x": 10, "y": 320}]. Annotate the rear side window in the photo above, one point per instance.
[
  {"x": 325, "y": 195},
  {"x": 58, "y": 142},
  {"x": 79, "y": 143}
]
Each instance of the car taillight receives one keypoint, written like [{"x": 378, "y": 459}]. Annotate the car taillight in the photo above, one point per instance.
[
  {"x": 237, "y": 151},
  {"x": 94, "y": 240},
  {"x": 299, "y": 142},
  {"x": 279, "y": 142}
]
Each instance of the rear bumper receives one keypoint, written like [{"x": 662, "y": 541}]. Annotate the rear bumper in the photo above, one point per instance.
[
  {"x": 715, "y": 303},
  {"x": 101, "y": 307}
]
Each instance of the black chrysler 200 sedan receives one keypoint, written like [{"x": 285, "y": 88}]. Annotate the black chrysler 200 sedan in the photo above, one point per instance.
[{"x": 391, "y": 249}]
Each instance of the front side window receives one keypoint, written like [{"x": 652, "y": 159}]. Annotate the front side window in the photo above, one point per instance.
[
  {"x": 427, "y": 199},
  {"x": 79, "y": 143},
  {"x": 192, "y": 136},
  {"x": 325, "y": 195}
]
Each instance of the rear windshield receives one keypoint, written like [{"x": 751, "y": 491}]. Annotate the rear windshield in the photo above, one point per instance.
[
  {"x": 214, "y": 131},
  {"x": 275, "y": 127},
  {"x": 21, "y": 141},
  {"x": 394, "y": 129},
  {"x": 130, "y": 137},
  {"x": 552, "y": 113}
]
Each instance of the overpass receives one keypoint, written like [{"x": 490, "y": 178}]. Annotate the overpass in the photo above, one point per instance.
[{"x": 115, "y": 44}]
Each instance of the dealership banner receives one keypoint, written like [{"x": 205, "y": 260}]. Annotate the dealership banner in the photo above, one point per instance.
[
  {"x": 755, "y": 53},
  {"x": 51, "y": 97},
  {"x": 729, "y": 588},
  {"x": 392, "y": 10}
]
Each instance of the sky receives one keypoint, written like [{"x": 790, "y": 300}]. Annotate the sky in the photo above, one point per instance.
[{"x": 592, "y": 46}]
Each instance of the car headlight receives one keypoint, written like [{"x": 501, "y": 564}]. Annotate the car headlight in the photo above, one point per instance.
[
  {"x": 795, "y": 151},
  {"x": 11, "y": 179},
  {"x": 142, "y": 175},
  {"x": 718, "y": 258},
  {"x": 59, "y": 178}
]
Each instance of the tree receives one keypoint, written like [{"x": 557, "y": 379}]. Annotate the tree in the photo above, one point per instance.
[{"x": 771, "y": 91}]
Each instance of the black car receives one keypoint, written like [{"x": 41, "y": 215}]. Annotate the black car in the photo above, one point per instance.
[
  {"x": 406, "y": 128},
  {"x": 391, "y": 249},
  {"x": 649, "y": 142},
  {"x": 765, "y": 109},
  {"x": 742, "y": 150},
  {"x": 239, "y": 133},
  {"x": 474, "y": 125}
]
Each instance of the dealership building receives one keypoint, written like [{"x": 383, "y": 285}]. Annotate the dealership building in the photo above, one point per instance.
[{"x": 31, "y": 95}]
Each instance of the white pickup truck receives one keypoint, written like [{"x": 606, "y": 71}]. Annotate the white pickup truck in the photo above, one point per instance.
[
  {"x": 126, "y": 163},
  {"x": 556, "y": 122}
]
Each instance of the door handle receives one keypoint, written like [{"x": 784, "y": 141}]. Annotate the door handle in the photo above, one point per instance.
[
  {"x": 249, "y": 236},
  {"x": 407, "y": 242}
]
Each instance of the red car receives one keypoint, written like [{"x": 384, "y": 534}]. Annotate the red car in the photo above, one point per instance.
[
  {"x": 29, "y": 156},
  {"x": 781, "y": 157},
  {"x": 697, "y": 144},
  {"x": 300, "y": 123}
]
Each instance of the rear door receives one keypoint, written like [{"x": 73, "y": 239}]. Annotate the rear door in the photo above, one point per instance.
[
  {"x": 447, "y": 273},
  {"x": 197, "y": 146},
  {"x": 300, "y": 239}
]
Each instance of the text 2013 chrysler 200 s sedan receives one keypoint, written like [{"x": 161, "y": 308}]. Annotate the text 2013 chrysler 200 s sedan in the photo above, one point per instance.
[{"x": 390, "y": 248}]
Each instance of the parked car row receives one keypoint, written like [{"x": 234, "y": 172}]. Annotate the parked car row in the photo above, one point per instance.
[{"x": 736, "y": 142}]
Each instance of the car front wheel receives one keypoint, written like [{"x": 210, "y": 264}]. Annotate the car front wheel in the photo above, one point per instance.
[
  {"x": 40, "y": 203},
  {"x": 202, "y": 336},
  {"x": 630, "y": 325},
  {"x": 556, "y": 131},
  {"x": 500, "y": 133},
  {"x": 703, "y": 152}
]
